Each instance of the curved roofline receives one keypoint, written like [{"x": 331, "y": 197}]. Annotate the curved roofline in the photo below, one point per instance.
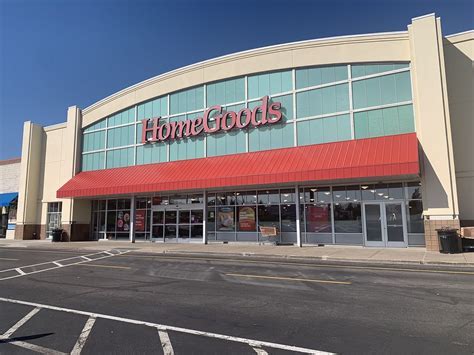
[{"x": 182, "y": 70}]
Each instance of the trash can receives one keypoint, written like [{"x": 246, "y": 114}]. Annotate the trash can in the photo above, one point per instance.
[
  {"x": 57, "y": 233},
  {"x": 449, "y": 241}
]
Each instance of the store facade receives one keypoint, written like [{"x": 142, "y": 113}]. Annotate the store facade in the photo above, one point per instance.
[{"x": 345, "y": 140}]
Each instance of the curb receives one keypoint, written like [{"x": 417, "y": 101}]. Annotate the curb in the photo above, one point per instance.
[{"x": 296, "y": 258}]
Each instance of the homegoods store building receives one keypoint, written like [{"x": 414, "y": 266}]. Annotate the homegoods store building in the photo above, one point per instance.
[{"x": 363, "y": 140}]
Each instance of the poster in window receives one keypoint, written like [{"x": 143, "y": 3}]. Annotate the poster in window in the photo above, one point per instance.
[
  {"x": 247, "y": 219},
  {"x": 225, "y": 219},
  {"x": 317, "y": 218},
  {"x": 140, "y": 216},
  {"x": 123, "y": 221},
  {"x": 119, "y": 226}
]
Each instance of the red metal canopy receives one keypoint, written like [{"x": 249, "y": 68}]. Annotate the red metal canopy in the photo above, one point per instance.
[{"x": 363, "y": 158}]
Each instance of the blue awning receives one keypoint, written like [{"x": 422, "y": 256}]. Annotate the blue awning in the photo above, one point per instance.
[{"x": 6, "y": 199}]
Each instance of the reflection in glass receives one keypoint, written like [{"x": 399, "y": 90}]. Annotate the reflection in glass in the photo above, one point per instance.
[
  {"x": 196, "y": 231},
  {"x": 395, "y": 191},
  {"x": 170, "y": 217},
  {"x": 318, "y": 218},
  {"x": 183, "y": 231},
  {"x": 157, "y": 217},
  {"x": 287, "y": 196},
  {"x": 288, "y": 218},
  {"x": 415, "y": 216},
  {"x": 269, "y": 216},
  {"x": 266, "y": 197},
  {"x": 394, "y": 217},
  {"x": 184, "y": 216},
  {"x": 413, "y": 190},
  {"x": 197, "y": 216},
  {"x": 170, "y": 231},
  {"x": 347, "y": 217},
  {"x": 373, "y": 223}
]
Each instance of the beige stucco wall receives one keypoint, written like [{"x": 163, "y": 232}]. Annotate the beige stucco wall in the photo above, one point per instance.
[
  {"x": 459, "y": 56},
  {"x": 51, "y": 160},
  {"x": 29, "y": 204},
  {"x": 9, "y": 176},
  {"x": 431, "y": 109}
]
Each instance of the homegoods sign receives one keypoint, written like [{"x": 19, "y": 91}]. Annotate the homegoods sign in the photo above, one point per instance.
[{"x": 215, "y": 119}]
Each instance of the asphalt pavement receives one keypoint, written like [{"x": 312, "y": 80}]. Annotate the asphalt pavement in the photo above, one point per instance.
[{"x": 128, "y": 302}]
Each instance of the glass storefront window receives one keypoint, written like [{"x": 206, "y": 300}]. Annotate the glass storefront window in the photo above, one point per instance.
[
  {"x": 185, "y": 217},
  {"x": 347, "y": 217},
  {"x": 247, "y": 219},
  {"x": 123, "y": 204},
  {"x": 288, "y": 218},
  {"x": 178, "y": 200},
  {"x": 246, "y": 197},
  {"x": 123, "y": 220},
  {"x": 111, "y": 218},
  {"x": 269, "y": 216},
  {"x": 197, "y": 216},
  {"x": 112, "y": 205},
  {"x": 266, "y": 197},
  {"x": 211, "y": 199},
  {"x": 415, "y": 216},
  {"x": 287, "y": 196},
  {"x": 318, "y": 218},
  {"x": 225, "y": 219},
  {"x": 317, "y": 195},
  {"x": 413, "y": 190},
  {"x": 211, "y": 219},
  {"x": 195, "y": 199},
  {"x": 395, "y": 191}
]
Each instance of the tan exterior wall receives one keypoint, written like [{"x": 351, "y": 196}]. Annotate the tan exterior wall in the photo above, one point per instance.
[
  {"x": 53, "y": 159},
  {"x": 459, "y": 56},
  {"x": 432, "y": 119}
]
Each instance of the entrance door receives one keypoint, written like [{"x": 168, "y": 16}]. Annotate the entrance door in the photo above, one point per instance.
[
  {"x": 177, "y": 224},
  {"x": 385, "y": 224}
]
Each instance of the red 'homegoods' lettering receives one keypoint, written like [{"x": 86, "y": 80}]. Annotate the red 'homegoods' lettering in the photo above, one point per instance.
[{"x": 214, "y": 120}]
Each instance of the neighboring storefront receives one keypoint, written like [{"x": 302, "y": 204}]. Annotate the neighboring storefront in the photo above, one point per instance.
[
  {"x": 346, "y": 140},
  {"x": 9, "y": 182}
]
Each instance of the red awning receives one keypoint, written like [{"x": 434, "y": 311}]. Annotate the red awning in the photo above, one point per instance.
[{"x": 388, "y": 156}]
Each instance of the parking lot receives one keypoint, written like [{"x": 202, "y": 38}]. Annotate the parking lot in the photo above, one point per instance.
[{"x": 123, "y": 301}]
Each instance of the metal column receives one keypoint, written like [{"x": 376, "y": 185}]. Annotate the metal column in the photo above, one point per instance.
[
  {"x": 204, "y": 219},
  {"x": 132, "y": 219},
  {"x": 298, "y": 225}
]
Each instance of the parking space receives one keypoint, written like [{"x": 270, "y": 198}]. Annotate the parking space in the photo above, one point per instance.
[
  {"x": 53, "y": 330},
  {"x": 21, "y": 269}
]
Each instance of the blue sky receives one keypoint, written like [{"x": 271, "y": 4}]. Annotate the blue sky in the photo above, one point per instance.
[{"x": 59, "y": 53}]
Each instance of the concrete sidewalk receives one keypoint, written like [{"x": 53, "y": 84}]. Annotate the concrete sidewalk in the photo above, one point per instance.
[{"x": 329, "y": 253}]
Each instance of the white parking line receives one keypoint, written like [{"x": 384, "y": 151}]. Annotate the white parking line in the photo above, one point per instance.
[
  {"x": 36, "y": 348},
  {"x": 165, "y": 343},
  {"x": 19, "y": 323},
  {"x": 20, "y": 271},
  {"x": 81, "y": 341},
  {"x": 260, "y": 351},
  {"x": 57, "y": 263},
  {"x": 162, "y": 327}
]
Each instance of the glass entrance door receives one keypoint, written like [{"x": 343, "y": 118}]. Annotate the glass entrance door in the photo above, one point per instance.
[
  {"x": 172, "y": 224},
  {"x": 384, "y": 224}
]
